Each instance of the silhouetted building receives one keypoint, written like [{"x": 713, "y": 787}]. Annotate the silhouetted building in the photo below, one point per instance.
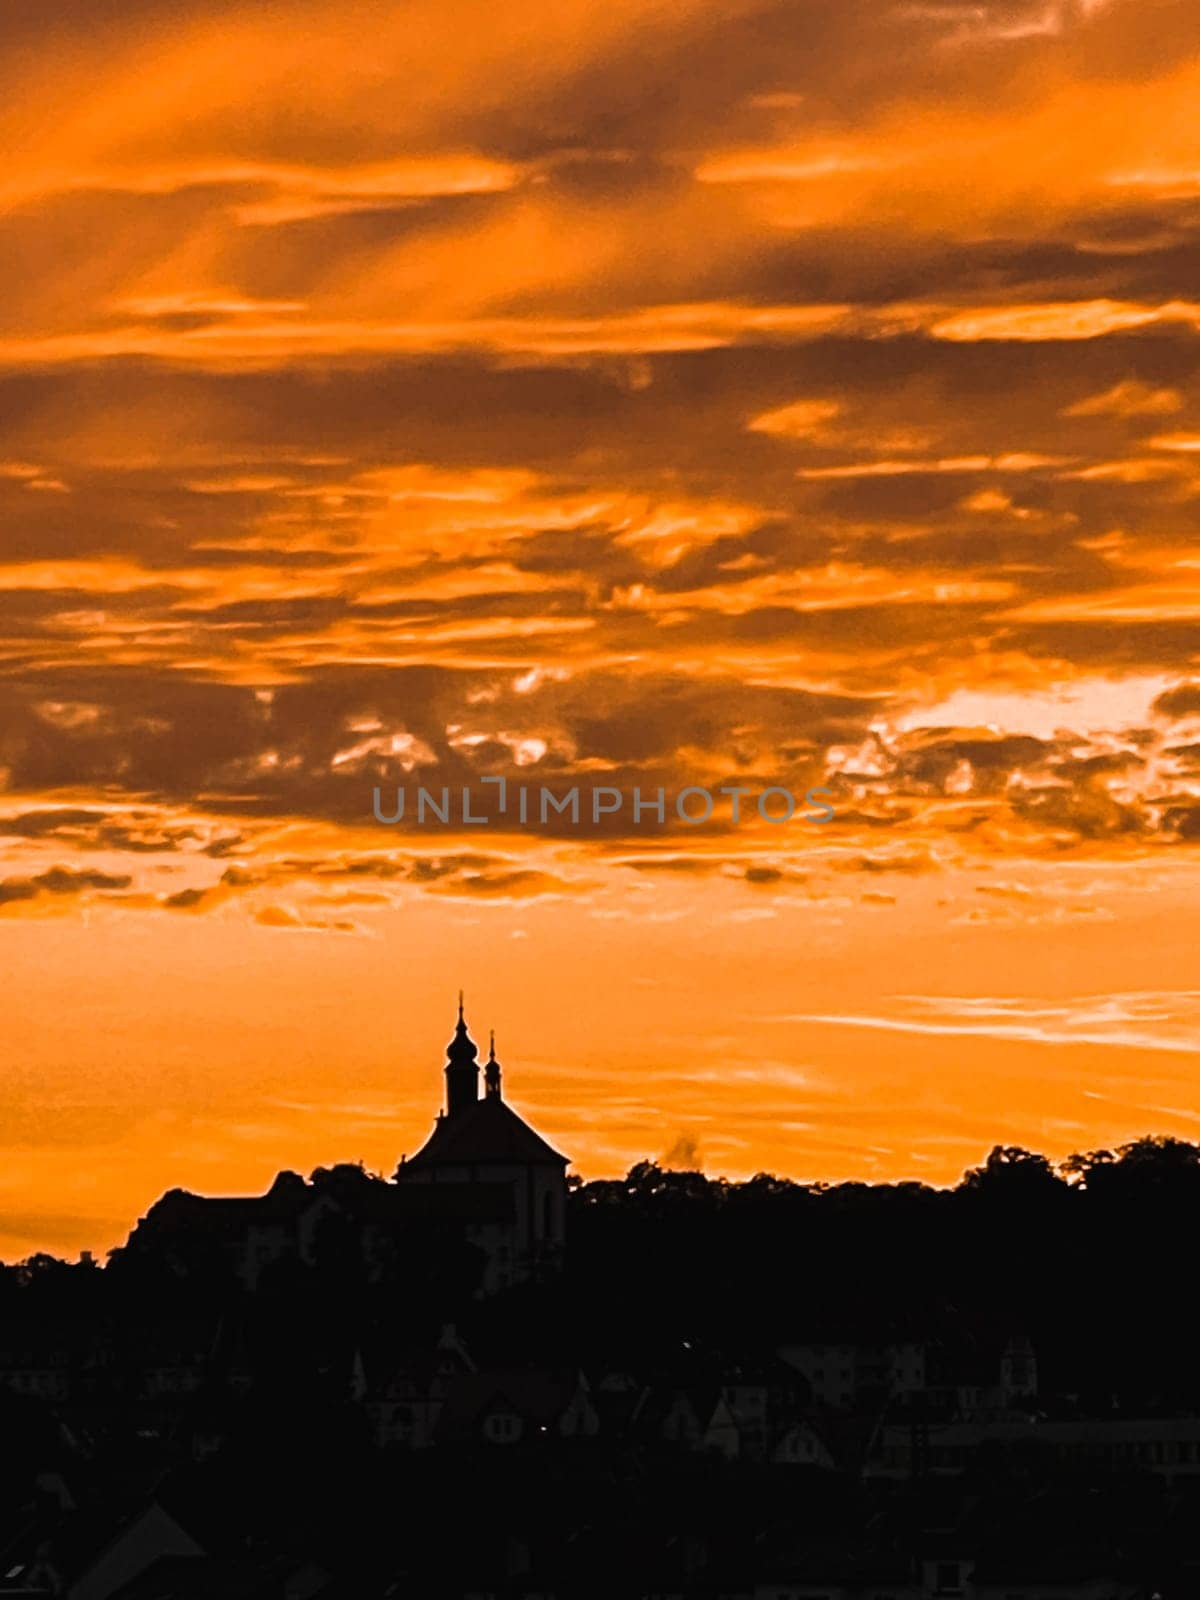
[
  {"x": 483, "y": 1179},
  {"x": 964, "y": 1381},
  {"x": 483, "y": 1143},
  {"x": 508, "y": 1408},
  {"x": 848, "y": 1373}
]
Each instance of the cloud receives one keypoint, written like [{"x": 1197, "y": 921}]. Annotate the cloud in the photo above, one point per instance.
[
  {"x": 518, "y": 883},
  {"x": 286, "y": 917},
  {"x": 1129, "y": 398},
  {"x": 394, "y": 457},
  {"x": 1182, "y": 700},
  {"x": 908, "y": 863},
  {"x": 1183, "y": 821},
  {"x": 1062, "y": 320},
  {"x": 1168, "y": 1022},
  {"x": 189, "y": 899},
  {"x": 802, "y": 419},
  {"x": 60, "y": 881},
  {"x": 54, "y": 822}
]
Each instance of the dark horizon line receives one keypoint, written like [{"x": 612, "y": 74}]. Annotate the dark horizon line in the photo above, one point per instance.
[{"x": 1059, "y": 1170}]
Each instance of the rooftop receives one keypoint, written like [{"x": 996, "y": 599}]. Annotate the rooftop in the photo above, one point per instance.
[{"x": 487, "y": 1132}]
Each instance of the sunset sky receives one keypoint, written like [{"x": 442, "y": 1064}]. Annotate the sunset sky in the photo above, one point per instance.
[{"x": 647, "y": 392}]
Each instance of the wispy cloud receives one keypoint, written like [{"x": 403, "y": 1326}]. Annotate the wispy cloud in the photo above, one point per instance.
[{"x": 1136, "y": 1021}]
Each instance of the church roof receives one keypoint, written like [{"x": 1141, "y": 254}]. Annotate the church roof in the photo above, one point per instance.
[{"x": 487, "y": 1132}]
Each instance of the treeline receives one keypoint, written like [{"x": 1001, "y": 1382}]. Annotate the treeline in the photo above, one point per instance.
[{"x": 1090, "y": 1260}]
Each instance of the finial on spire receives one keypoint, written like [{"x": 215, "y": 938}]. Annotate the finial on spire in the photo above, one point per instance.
[
  {"x": 460, "y": 1005},
  {"x": 491, "y": 1044}
]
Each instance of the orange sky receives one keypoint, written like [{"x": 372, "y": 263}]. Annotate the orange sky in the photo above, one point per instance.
[{"x": 640, "y": 394}]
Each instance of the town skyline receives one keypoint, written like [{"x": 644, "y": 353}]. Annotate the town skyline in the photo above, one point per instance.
[{"x": 685, "y": 1155}]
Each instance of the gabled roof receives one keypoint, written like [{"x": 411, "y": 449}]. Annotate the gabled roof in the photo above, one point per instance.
[
  {"x": 539, "y": 1397},
  {"x": 489, "y": 1132}
]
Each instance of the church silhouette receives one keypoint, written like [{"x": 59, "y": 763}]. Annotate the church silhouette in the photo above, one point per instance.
[
  {"x": 483, "y": 1144},
  {"x": 484, "y": 1178}
]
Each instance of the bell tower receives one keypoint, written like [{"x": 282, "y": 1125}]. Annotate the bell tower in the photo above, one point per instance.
[
  {"x": 462, "y": 1068},
  {"x": 491, "y": 1072}
]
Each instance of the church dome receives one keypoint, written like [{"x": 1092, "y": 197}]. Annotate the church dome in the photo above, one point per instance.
[{"x": 462, "y": 1049}]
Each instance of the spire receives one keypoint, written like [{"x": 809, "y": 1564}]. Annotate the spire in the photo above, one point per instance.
[
  {"x": 462, "y": 1070},
  {"x": 491, "y": 1073}
]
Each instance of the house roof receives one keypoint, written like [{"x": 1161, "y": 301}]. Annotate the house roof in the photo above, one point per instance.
[
  {"x": 369, "y": 1200},
  {"x": 486, "y": 1133},
  {"x": 226, "y": 1215},
  {"x": 539, "y": 1397},
  {"x": 78, "y": 1544}
]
